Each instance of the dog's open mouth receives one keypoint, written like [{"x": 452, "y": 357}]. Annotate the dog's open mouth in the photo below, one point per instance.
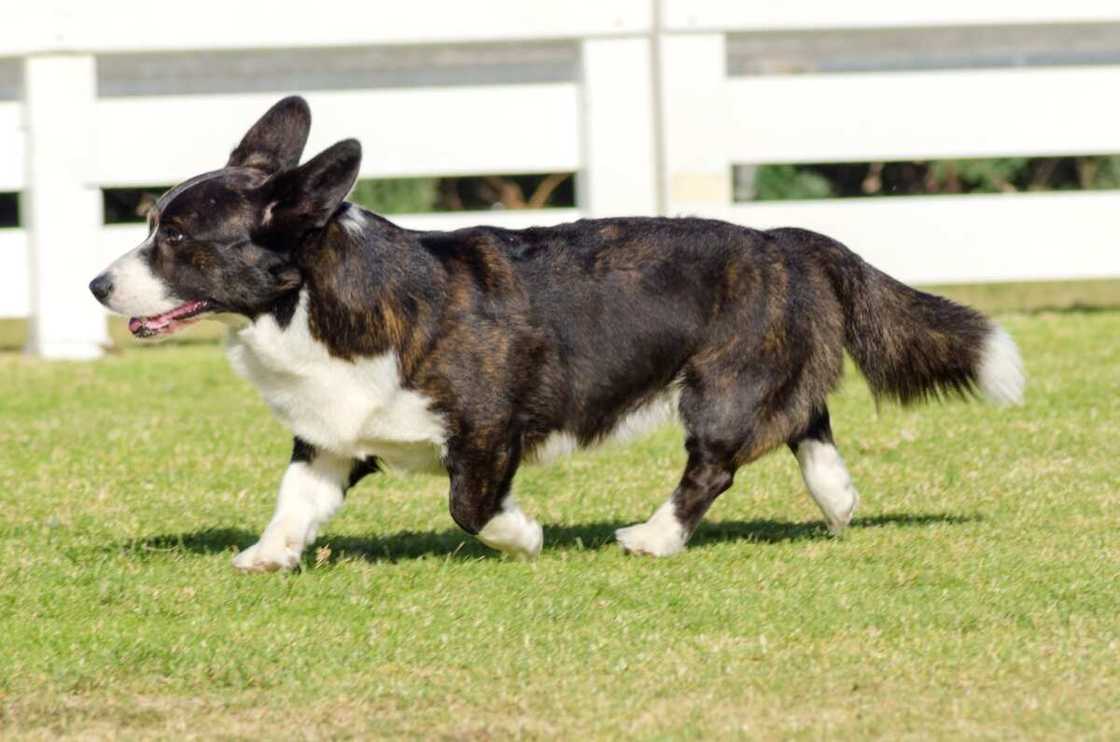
[{"x": 168, "y": 322}]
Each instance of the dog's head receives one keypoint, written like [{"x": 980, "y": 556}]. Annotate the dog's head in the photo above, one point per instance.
[{"x": 226, "y": 241}]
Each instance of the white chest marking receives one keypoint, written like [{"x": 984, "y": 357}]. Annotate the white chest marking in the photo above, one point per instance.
[{"x": 352, "y": 408}]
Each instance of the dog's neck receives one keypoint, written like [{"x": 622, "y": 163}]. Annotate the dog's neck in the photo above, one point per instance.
[{"x": 370, "y": 287}]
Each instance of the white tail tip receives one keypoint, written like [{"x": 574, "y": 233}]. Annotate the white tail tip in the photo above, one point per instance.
[{"x": 1001, "y": 375}]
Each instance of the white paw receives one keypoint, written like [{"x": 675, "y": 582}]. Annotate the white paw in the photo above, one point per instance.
[
  {"x": 829, "y": 483},
  {"x": 513, "y": 532},
  {"x": 267, "y": 557},
  {"x": 839, "y": 518},
  {"x": 661, "y": 535}
]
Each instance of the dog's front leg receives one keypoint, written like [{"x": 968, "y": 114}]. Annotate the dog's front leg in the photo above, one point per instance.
[
  {"x": 310, "y": 492},
  {"x": 482, "y": 505}
]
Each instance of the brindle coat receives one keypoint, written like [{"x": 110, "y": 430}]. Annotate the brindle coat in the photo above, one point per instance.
[{"x": 518, "y": 334}]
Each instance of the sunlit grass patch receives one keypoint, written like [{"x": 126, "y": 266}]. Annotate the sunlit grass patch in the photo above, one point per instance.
[{"x": 975, "y": 595}]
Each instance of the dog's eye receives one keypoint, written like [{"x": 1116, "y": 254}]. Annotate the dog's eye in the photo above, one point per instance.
[{"x": 172, "y": 235}]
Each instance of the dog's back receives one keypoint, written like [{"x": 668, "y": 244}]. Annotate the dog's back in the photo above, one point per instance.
[{"x": 605, "y": 313}]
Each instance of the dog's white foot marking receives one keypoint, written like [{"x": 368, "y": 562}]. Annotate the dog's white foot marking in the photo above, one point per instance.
[
  {"x": 309, "y": 495},
  {"x": 829, "y": 483},
  {"x": 513, "y": 532},
  {"x": 267, "y": 556},
  {"x": 661, "y": 535}
]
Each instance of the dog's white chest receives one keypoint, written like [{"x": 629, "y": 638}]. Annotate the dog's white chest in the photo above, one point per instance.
[{"x": 353, "y": 408}]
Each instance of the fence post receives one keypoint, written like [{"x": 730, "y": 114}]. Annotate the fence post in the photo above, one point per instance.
[
  {"x": 619, "y": 175},
  {"x": 61, "y": 206},
  {"x": 694, "y": 124}
]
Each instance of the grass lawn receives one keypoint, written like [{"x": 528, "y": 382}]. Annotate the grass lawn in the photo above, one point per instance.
[{"x": 977, "y": 594}]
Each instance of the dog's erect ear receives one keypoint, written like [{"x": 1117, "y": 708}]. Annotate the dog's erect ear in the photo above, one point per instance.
[
  {"x": 307, "y": 196},
  {"x": 276, "y": 141}
]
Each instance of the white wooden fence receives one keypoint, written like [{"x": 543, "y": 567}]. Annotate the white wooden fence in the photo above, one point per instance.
[{"x": 648, "y": 117}]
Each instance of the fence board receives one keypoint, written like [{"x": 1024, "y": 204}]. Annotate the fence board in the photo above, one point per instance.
[
  {"x": 11, "y": 147},
  {"x": 710, "y": 15},
  {"x": 432, "y": 131},
  {"x": 916, "y": 115},
  {"x": 15, "y": 299},
  {"x": 964, "y": 239},
  {"x": 65, "y": 25}
]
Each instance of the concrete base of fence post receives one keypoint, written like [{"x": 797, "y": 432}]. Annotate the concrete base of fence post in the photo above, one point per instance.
[
  {"x": 61, "y": 206},
  {"x": 619, "y": 149}
]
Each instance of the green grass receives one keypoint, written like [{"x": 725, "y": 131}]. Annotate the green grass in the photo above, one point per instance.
[{"x": 977, "y": 594}]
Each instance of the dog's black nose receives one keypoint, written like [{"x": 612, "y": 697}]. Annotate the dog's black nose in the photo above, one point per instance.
[{"x": 101, "y": 286}]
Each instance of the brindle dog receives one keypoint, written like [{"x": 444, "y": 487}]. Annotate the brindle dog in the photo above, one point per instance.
[{"x": 474, "y": 350}]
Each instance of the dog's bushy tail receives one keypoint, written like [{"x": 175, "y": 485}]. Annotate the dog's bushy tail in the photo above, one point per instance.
[{"x": 911, "y": 345}]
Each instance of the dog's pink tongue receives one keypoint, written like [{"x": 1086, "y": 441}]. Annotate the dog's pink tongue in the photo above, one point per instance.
[{"x": 135, "y": 324}]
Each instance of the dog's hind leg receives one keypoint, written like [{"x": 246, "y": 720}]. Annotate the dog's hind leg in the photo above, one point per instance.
[
  {"x": 707, "y": 475},
  {"x": 717, "y": 429},
  {"x": 824, "y": 472},
  {"x": 311, "y": 491}
]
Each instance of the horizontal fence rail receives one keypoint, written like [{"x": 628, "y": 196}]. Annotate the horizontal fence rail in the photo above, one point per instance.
[
  {"x": 114, "y": 26},
  {"x": 15, "y": 289},
  {"x": 650, "y": 103},
  {"x": 722, "y": 16},
  {"x": 12, "y": 148},
  {"x": 963, "y": 239},
  {"x": 433, "y": 131},
  {"x": 923, "y": 115}
]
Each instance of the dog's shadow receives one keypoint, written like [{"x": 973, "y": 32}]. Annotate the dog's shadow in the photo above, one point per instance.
[{"x": 455, "y": 544}]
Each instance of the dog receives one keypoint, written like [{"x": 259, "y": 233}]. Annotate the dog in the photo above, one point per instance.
[{"x": 473, "y": 351}]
